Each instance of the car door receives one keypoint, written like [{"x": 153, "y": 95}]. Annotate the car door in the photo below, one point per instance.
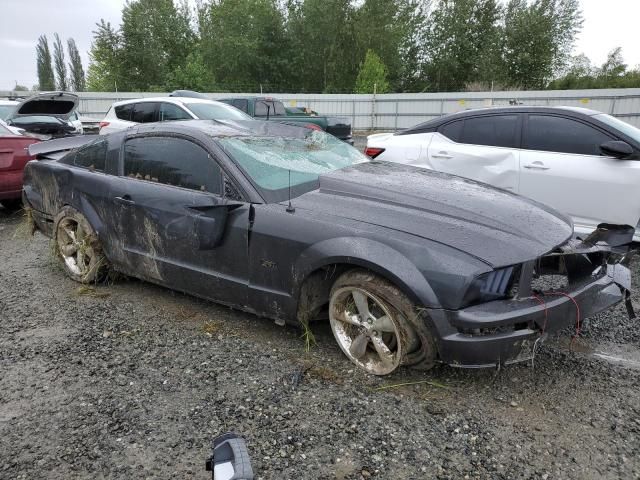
[
  {"x": 562, "y": 166},
  {"x": 174, "y": 224},
  {"x": 483, "y": 148}
]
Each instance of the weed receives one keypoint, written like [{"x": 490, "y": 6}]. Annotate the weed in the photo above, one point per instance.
[
  {"x": 91, "y": 292},
  {"x": 27, "y": 227},
  {"x": 211, "y": 328},
  {"x": 308, "y": 336}
]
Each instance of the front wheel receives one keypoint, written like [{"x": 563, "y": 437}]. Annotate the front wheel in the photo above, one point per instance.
[
  {"x": 78, "y": 247},
  {"x": 372, "y": 322}
]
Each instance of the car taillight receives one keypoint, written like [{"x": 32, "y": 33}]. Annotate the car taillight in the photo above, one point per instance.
[
  {"x": 373, "y": 152},
  {"x": 103, "y": 124},
  {"x": 313, "y": 126}
]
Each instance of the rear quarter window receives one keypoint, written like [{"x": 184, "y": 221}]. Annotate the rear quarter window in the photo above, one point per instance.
[
  {"x": 92, "y": 156},
  {"x": 123, "y": 112}
]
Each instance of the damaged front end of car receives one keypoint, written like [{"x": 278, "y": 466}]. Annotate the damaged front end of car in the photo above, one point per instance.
[{"x": 511, "y": 310}]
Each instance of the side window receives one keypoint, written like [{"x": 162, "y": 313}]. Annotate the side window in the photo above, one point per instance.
[
  {"x": 491, "y": 130},
  {"x": 278, "y": 109},
  {"x": 241, "y": 104},
  {"x": 557, "y": 134},
  {"x": 169, "y": 111},
  {"x": 92, "y": 156},
  {"x": 144, "y": 112},
  {"x": 452, "y": 130},
  {"x": 261, "y": 109},
  {"x": 123, "y": 112},
  {"x": 172, "y": 161}
]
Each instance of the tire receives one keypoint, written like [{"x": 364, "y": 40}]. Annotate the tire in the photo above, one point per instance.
[
  {"x": 78, "y": 247},
  {"x": 376, "y": 326},
  {"x": 12, "y": 205}
]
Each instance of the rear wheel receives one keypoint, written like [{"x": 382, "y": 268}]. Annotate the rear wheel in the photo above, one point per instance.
[
  {"x": 377, "y": 326},
  {"x": 78, "y": 247}
]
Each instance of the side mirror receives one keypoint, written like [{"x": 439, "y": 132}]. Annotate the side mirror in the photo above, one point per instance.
[
  {"x": 616, "y": 148},
  {"x": 230, "y": 458}
]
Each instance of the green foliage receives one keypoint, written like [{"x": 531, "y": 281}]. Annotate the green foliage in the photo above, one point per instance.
[
  {"x": 20, "y": 88},
  {"x": 319, "y": 45},
  {"x": 46, "y": 79},
  {"x": 461, "y": 41},
  {"x": 76, "y": 71},
  {"x": 613, "y": 73},
  {"x": 105, "y": 67},
  {"x": 372, "y": 77},
  {"x": 59, "y": 62},
  {"x": 537, "y": 39}
]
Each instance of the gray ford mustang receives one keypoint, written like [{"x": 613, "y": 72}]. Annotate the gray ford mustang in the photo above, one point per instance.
[{"x": 411, "y": 267}]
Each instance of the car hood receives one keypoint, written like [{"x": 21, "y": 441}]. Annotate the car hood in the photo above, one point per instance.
[
  {"x": 493, "y": 225},
  {"x": 56, "y": 104}
]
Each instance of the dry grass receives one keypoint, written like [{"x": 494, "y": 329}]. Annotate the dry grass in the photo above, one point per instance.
[
  {"x": 86, "y": 290},
  {"x": 27, "y": 227}
]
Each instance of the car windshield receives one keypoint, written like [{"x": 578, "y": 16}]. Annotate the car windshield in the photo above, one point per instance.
[
  {"x": 217, "y": 111},
  {"x": 275, "y": 163},
  {"x": 626, "y": 128},
  {"x": 5, "y": 111}
]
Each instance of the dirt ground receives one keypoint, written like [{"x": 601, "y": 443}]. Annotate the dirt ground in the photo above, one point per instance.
[{"x": 133, "y": 381}]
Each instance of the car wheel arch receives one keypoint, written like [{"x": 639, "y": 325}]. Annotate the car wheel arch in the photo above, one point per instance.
[{"x": 327, "y": 259}]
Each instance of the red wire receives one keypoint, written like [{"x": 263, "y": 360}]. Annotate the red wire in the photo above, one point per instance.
[{"x": 577, "y": 311}]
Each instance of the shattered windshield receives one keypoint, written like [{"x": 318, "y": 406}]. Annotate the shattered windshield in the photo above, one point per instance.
[{"x": 275, "y": 163}]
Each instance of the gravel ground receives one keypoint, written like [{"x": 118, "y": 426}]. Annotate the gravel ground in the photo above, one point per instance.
[{"x": 133, "y": 381}]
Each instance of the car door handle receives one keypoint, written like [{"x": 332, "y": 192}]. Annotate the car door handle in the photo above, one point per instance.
[
  {"x": 443, "y": 155},
  {"x": 125, "y": 200},
  {"x": 536, "y": 166}
]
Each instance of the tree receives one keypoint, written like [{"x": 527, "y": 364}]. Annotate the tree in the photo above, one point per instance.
[
  {"x": 46, "y": 79},
  {"x": 537, "y": 39},
  {"x": 372, "y": 77},
  {"x": 59, "y": 62},
  {"x": 193, "y": 75},
  {"x": 20, "y": 88},
  {"x": 244, "y": 46},
  {"x": 461, "y": 43},
  {"x": 105, "y": 66},
  {"x": 76, "y": 72}
]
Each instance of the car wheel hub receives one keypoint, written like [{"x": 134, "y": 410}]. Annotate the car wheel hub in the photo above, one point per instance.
[
  {"x": 365, "y": 330},
  {"x": 78, "y": 256}
]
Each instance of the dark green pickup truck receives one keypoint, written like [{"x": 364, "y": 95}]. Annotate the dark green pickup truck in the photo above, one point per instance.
[{"x": 268, "y": 108}]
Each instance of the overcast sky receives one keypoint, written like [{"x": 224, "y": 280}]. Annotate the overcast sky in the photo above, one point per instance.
[{"x": 607, "y": 24}]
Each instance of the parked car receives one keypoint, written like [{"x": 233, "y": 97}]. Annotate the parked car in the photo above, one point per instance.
[
  {"x": 13, "y": 158},
  {"x": 127, "y": 113},
  {"x": 267, "y": 108},
  {"x": 581, "y": 162},
  {"x": 410, "y": 266},
  {"x": 7, "y": 107},
  {"x": 49, "y": 114}
]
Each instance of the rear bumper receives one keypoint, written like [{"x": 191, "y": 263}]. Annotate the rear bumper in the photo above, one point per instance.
[
  {"x": 505, "y": 331},
  {"x": 10, "y": 184}
]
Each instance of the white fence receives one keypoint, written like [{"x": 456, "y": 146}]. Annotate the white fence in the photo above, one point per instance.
[{"x": 401, "y": 110}]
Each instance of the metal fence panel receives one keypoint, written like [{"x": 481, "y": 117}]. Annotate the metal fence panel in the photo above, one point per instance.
[{"x": 402, "y": 110}]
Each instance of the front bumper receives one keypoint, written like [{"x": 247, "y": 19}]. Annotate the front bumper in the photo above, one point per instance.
[{"x": 507, "y": 330}]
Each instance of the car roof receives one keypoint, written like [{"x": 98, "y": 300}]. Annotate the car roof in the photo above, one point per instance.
[
  {"x": 436, "y": 122},
  {"x": 176, "y": 100},
  {"x": 221, "y": 128}
]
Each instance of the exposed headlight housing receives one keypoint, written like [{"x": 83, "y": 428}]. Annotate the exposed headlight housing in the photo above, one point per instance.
[{"x": 490, "y": 286}]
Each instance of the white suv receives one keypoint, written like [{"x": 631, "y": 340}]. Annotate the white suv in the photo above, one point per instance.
[{"x": 126, "y": 113}]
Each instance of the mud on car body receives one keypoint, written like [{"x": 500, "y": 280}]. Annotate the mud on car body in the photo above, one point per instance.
[{"x": 410, "y": 266}]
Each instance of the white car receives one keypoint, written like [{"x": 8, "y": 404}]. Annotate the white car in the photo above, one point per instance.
[
  {"x": 581, "y": 162},
  {"x": 127, "y": 113},
  {"x": 47, "y": 114},
  {"x": 7, "y": 107}
]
